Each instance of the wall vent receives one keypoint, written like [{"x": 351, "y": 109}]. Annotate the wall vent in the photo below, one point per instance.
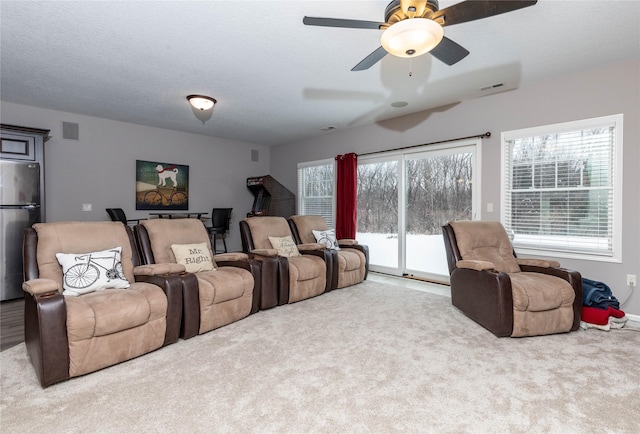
[
  {"x": 70, "y": 131},
  {"x": 491, "y": 86}
]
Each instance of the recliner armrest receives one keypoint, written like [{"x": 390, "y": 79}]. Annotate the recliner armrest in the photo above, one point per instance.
[
  {"x": 45, "y": 336},
  {"x": 171, "y": 284},
  {"x": 251, "y": 265},
  {"x": 269, "y": 267},
  {"x": 544, "y": 263},
  {"x": 158, "y": 269},
  {"x": 347, "y": 242},
  {"x": 232, "y": 256},
  {"x": 485, "y": 296},
  {"x": 311, "y": 246},
  {"x": 575, "y": 280},
  {"x": 475, "y": 265},
  {"x": 265, "y": 252},
  {"x": 363, "y": 248},
  {"x": 324, "y": 254},
  {"x": 41, "y": 286}
]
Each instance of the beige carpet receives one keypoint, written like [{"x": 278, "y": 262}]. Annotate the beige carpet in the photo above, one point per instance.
[{"x": 374, "y": 358}]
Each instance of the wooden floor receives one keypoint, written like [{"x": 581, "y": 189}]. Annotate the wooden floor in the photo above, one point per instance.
[{"x": 11, "y": 323}]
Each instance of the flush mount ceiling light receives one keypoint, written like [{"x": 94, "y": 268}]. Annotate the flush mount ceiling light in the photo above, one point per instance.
[
  {"x": 202, "y": 106},
  {"x": 412, "y": 37},
  {"x": 201, "y": 102}
]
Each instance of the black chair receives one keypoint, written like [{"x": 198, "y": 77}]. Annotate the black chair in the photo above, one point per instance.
[
  {"x": 118, "y": 215},
  {"x": 220, "y": 220}
]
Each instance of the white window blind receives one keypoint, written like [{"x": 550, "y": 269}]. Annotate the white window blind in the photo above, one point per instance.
[
  {"x": 316, "y": 182},
  {"x": 561, "y": 187}
]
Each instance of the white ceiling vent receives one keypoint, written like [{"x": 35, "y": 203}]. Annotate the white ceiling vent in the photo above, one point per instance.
[{"x": 491, "y": 86}]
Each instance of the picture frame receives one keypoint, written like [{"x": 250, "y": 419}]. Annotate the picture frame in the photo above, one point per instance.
[{"x": 162, "y": 186}]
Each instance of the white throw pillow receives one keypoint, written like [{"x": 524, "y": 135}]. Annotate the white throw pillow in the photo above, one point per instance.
[
  {"x": 285, "y": 246},
  {"x": 328, "y": 238},
  {"x": 194, "y": 257},
  {"x": 94, "y": 271}
]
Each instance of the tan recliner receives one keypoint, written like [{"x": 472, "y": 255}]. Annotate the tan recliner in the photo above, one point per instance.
[
  {"x": 67, "y": 336},
  {"x": 299, "y": 277},
  {"x": 213, "y": 298},
  {"x": 350, "y": 263},
  {"x": 507, "y": 295}
]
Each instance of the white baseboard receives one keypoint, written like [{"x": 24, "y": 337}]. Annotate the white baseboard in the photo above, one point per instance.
[{"x": 634, "y": 318}]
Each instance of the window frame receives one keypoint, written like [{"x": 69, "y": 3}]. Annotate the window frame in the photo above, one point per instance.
[
  {"x": 301, "y": 187},
  {"x": 614, "y": 253}
]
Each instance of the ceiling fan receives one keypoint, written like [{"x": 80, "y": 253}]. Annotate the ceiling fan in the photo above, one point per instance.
[{"x": 414, "y": 27}]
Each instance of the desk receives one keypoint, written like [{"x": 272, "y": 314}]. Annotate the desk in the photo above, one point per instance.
[{"x": 179, "y": 215}]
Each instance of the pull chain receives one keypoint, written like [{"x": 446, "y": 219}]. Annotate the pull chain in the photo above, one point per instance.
[{"x": 410, "y": 67}]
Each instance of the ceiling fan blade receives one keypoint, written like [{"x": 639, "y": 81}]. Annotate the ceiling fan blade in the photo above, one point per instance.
[
  {"x": 370, "y": 60},
  {"x": 449, "y": 52},
  {"x": 471, "y": 10},
  {"x": 339, "y": 22}
]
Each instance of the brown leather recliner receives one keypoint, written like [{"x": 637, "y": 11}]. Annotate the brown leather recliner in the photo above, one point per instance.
[
  {"x": 507, "y": 295},
  {"x": 67, "y": 336},
  {"x": 350, "y": 264},
  {"x": 299, "y": 277},
  {"x": 213, "y": 298}
]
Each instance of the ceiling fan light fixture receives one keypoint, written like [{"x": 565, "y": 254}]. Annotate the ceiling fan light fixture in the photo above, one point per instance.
[
  {"x": 201, "y": 102},
  {"x": 412, "y": 37}
]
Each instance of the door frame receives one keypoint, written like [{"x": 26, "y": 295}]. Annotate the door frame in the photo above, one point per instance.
[{"x": 473, "y": 145}]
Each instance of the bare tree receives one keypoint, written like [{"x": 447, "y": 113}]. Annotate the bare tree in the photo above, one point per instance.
[{"x": 438, "y": 190}]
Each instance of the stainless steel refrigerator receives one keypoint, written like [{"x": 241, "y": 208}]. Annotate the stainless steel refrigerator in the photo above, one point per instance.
[{"x": 19, "y": 209}]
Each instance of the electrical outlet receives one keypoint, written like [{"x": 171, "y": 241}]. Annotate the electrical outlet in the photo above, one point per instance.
[
  {"x": 631, "y": 280},
  {"x": 490, "y": 207},
  {"x": 87, "y": 207}
]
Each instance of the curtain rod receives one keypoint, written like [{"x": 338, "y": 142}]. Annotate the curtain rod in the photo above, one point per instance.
[{"x": 478, "y": 136}]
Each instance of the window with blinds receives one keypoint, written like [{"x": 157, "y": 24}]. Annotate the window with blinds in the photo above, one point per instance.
[
  {"x": 316, "y": 182},
  {"x": 561, "y": 188}
]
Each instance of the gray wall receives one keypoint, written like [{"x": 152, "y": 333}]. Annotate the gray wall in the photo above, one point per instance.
[
  {"x": 100, "y": 167},
  {"x": 605, "y": 91}
]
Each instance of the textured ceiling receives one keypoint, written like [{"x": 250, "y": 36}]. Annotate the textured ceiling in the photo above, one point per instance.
[{"x": 276, "y": 80}]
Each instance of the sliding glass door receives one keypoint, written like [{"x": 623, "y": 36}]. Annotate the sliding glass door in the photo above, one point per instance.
[
  {"x": 439, "y": 188},
  {"x": 405, "y": 198},
  {"x": 378, "y": 211}
]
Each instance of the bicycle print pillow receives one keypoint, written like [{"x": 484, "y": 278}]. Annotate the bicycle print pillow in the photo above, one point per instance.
[
  {"x": 328, "y": 238},
  {"x": 89, "y": 272}
]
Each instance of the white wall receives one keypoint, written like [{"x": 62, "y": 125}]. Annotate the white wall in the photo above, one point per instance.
[
  {"x": 100, "y": 167},
  {"x": 599, "y": 92}
]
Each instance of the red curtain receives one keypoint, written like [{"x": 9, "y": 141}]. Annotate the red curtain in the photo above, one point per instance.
[{"x": 347, "y": 190}]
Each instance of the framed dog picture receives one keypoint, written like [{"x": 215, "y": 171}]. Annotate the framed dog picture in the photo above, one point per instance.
[{"x": 162, "y": 186}]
